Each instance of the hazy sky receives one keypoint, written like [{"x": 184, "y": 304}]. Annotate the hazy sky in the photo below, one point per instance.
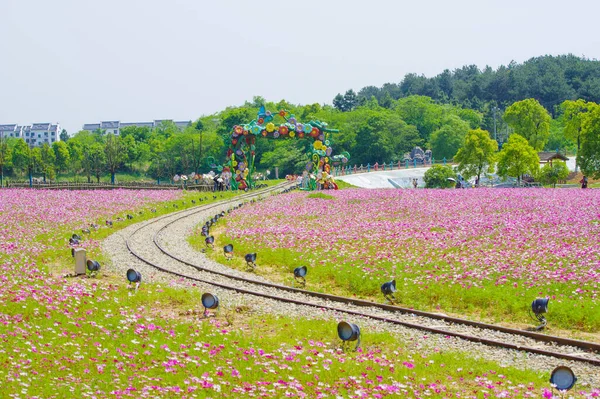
[{"x": 84, "y": 61}]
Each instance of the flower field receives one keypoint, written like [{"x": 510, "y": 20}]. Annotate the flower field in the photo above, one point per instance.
[
  {"x": 92, "y": 338},
  {"x": 482, "y": 252}
]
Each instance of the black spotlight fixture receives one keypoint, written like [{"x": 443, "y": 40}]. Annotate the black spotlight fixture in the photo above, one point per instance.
[
  {"x": 193, "y": 201},
  {"x": 73, "y": 241},
  {"x": 134, "y": 277},
  {"x": 539, "y": 307},
  {"x": 300, "y": 275},
  {"x": 348, "y": 332},
  {"x": 563, "y": 378},
  {"x": 94, "y": 226},
  {"x": 250, "y": 261},
  {"x": 85, "y": 231},
  {"x": 209, "y": 301},
  {"x": 93, "y": 267},
  {"x": 228, "y": 251},
  {"x": 388, "y": 289},
  {"x": 109, "y": 223},
  {"x": 222, "y": 213},
  {"x": 129, "y": 216},
  {"x": 153, "y": 210},
  {"x": 210, "y": 242}
]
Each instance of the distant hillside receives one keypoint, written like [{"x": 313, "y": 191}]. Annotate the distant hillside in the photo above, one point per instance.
[{"x": 549, "y": 79}]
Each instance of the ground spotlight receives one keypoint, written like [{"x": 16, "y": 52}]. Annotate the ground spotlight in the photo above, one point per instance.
[
  {"x": 251, "y": 261},
  {"x": 93, "y": 267},
  {"x": 348, "y": 332},
  {"x": 129, "y": 216},
  {"x": 222, "y": 213},
  {"x": 388, "y": 289},
  {"x": 228, "y": 251},
  {"x": 85, "y": 231},
  {"x": 539, "y": 307},
  {"x": 73, "y": 241},
  {"x": 209, "y": 301},
  {"x": 109, "y": 223},
  {"x": 300, "y": 275},
  {"x": 563, "y": 378},
  {"x": 134, "y": 277},
  {"x": 210, "y": 242}
]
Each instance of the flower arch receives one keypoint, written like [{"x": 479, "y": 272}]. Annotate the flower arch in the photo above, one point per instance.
[{"x": 282, "y": 126}]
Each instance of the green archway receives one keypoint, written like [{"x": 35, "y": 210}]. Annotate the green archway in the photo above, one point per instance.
[{"x": 241, "y": 153}]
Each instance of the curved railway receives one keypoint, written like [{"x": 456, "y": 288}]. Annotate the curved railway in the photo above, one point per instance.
[{"x": 553, "y": 346}]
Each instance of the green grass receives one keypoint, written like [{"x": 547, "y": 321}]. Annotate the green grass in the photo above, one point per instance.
[
  {"x": 321, "y": 196},
  {"x": 568, "y": 315},
  {"x": 94, "y": 345}
]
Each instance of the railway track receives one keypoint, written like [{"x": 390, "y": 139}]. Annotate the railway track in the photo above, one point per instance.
[{"x": 535, "y": 342}]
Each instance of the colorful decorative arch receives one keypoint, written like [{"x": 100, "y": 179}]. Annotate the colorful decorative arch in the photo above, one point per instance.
[{"x": 281, "y": 126}]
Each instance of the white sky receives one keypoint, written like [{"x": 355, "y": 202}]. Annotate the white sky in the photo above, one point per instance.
[{"x": 82, "y": 61}]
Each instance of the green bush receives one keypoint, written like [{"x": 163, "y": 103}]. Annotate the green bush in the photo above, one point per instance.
[{"x": 437, "y": 177}]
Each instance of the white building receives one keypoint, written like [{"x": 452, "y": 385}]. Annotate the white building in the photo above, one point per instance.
[
  {"x": 13, "y": 130},
  {"x": 114, "y": 127},
  {"x": 35, "y": 135}
]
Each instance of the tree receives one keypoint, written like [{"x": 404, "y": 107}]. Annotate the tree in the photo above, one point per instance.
[
  {"x": 589, "y": 156},
  {"x": 75, "y": 163},
  {"x": 552, "y": 173},
  {"x": 437, "y": 177},
  {"x": 574, "y": 113},
  {"x": 64, "y": 136},
  {"x": 47, "y": 160},
  {"x": 94, "y": 159},
  {"x": 530, "y": 120},
  {"x": 338, "y": 102},
  {"x": 61, "y": 154},
  {"x": 477, "y": 154},
  {"x": 116, "y": 154},
  {"x": 5, "y": 157},
  {"x": 21, "y": 154},
  {"x": 446, "y": 140},
  {"x": 421, "y": 112},
  {"x": 517, "y": 158},
  {"x": 347, "y": 102}
]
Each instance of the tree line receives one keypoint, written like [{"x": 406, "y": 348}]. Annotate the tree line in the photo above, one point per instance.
[{"x": 369, "y": 129}]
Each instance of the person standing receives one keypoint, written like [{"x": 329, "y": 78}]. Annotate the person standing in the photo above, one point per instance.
[{"x": 584, "y": 182}]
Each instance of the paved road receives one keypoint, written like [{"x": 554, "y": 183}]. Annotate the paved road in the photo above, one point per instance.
[{"x": 386, "y": 179}]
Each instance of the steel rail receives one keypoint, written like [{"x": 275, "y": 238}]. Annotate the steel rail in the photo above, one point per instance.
[{"x": 589, "y": 346}]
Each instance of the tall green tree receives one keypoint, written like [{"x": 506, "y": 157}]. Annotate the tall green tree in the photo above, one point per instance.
[
  {"x": 5, "y": 157},
  {"x": 21, "y": 154},
  {"x": 116, "y": 153},
  {"x": 518, "y": 158},
  {"x": 61, "y": 154},
  {"x": 574, "y": 113},
  {"x": 477, "y": 154},
  {"x": 93, "y": 160},
  {"x": 589, "y": 155},
  {"x": 64, "y": 136},
  {"x": 529, "y": 119},
  {"x": 47, "y": 160},
  {"x": 446, "y": 140}
]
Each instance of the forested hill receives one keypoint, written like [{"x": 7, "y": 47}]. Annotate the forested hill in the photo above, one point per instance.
[{"x": 548, "y": 79}]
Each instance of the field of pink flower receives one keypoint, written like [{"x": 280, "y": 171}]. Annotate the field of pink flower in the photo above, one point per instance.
[
  {"x": 484, "y": 251},
  {"x": 92, "y": 338}
]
